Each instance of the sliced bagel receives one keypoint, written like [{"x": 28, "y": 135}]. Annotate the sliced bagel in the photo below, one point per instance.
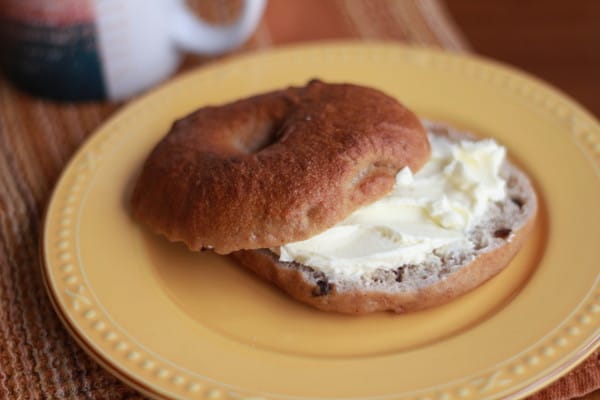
[
  {"x": 496, "y": 238},
  {"x": 277, "y": 167}
]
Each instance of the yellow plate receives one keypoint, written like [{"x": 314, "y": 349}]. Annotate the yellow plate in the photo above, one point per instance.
[{"x": 188, "y": 325}]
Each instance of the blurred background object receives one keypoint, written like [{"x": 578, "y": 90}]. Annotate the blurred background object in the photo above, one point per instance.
[{"x": 108, "y": 49}]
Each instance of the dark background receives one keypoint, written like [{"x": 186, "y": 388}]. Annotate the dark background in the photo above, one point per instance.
[{"x": 557, "y": 40}]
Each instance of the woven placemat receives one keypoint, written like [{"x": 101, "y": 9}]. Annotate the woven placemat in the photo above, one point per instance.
[{"x": 38, "y": 359}]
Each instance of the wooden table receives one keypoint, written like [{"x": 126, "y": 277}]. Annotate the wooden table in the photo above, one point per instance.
[{"x": 556, "y": 40}]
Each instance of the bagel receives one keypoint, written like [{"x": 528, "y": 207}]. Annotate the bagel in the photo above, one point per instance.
[
  {"x": 276, "y": 168},
  {"x": 439, "y": 278}
]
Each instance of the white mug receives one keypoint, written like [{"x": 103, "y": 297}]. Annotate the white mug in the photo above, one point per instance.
[{"x": 108, "y": 49}]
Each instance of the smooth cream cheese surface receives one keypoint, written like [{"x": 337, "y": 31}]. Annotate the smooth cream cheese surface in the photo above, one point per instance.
[{"x": 433, "y": 209}]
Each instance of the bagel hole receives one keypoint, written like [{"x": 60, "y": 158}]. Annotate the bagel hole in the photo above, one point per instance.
[{"x": 258, "y": 138}]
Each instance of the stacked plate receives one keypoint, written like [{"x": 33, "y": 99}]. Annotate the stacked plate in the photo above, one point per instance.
[{"x": 175, "y": 323}]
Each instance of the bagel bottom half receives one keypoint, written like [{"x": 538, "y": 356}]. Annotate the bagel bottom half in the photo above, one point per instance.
[{"x": 497, "y": 238}]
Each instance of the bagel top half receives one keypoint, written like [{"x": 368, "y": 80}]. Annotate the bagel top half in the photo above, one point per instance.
[{"x": 277, "y": 167}]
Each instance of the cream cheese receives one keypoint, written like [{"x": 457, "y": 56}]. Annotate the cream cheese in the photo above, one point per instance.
[{"x": 433, "y": 209}]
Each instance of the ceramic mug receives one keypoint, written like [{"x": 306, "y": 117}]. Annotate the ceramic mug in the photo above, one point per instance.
[{"x": 107, "y": 49}]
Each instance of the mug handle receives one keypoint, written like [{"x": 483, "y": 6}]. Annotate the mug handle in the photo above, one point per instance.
[{"x": 194, "y": 35}]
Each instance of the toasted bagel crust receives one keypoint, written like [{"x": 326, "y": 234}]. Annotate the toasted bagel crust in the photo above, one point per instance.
[{"x": 276, "y": 168}]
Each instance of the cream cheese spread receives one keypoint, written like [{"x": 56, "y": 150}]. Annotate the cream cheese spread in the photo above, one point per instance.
[{"x": 433, "y": 209}]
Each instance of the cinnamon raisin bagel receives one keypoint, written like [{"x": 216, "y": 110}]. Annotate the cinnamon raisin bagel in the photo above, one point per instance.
[{"x": 277, "y": 167}]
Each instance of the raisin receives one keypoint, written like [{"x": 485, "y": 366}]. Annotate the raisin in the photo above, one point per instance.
[
  {"x": 502, "y": 233},
  {"x": 323, "y": 288},
  {"x": 518, "y": 202},
  {"x": 399, "y": 274}
]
